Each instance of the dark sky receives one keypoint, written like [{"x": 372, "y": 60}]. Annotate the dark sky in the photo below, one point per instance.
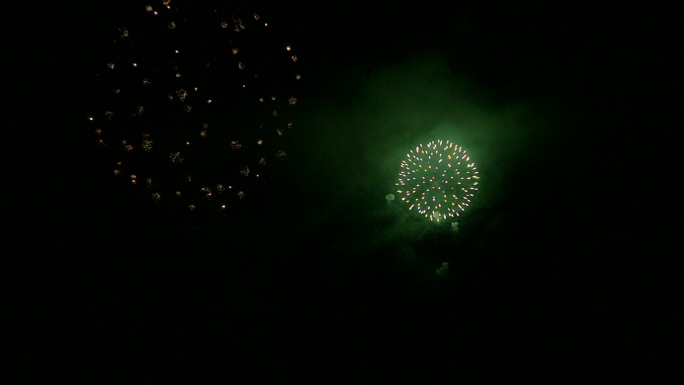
[{"x": 553, "y": 275}]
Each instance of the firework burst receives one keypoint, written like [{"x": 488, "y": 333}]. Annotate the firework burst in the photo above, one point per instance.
[
  {"x": 195, "y": 102},
  {"x": 438, "y": 180}
]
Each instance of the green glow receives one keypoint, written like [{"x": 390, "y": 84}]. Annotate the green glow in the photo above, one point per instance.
[{"x": 438, "y": 180}]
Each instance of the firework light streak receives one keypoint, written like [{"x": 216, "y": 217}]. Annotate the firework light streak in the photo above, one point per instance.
[{"x": 438, "y": 180}]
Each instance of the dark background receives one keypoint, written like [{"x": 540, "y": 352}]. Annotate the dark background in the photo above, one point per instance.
[{"x": 559, "y": 273}]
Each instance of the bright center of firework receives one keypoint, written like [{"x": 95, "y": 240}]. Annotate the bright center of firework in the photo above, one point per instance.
[{"x": 438, "y": 180}]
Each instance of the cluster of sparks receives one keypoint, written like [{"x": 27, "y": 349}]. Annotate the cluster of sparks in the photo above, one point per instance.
[
  {"x": 193, "y": 104},
  {"x": 438, "y": 180}
]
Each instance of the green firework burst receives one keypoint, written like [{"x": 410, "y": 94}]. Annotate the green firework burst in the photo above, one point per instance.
[{"x": 438, "y": 180}]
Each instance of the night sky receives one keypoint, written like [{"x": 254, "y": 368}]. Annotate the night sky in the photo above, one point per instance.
[{"x": 554, "y": 274}]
